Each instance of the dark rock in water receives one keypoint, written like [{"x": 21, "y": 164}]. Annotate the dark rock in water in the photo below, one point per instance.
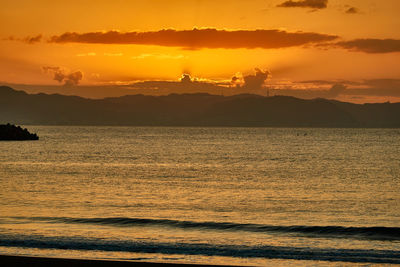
[{"x": 12, "y": 132}]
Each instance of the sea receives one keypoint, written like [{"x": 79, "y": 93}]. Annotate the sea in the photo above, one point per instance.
[{"x": 225, "y": 196}]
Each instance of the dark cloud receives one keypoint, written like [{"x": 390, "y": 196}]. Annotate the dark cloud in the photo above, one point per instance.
[
  {"x": 371, "y": 45},
  {"x": 32, "y": 40},
  {"x": 352, "y": 10},
  {"x": 316, "y": 4},
  {"x": 255, "y": 81},
  {"x": 186, "y": 78},
  {"x": 73, "y": 78},
  {"x": 336, "y": 90},
  {"x": 199, "y": 38},
  {"x": 60, "y": 75}
]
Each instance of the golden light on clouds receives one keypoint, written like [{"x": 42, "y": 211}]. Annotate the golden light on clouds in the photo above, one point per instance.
[{"x": 128, "y": 41}]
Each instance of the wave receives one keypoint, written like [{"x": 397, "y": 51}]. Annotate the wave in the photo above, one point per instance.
[
  {"x": 269, "y": 252},
  {"x": 373, "y": 233}
]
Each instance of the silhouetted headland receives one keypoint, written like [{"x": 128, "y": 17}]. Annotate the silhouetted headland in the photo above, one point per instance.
[
  {"x": 10, "y": 132},
  {"x": 193, "y": 110}
]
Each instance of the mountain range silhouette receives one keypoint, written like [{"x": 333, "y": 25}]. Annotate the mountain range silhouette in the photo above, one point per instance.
[{"x": 192, "y": 110}]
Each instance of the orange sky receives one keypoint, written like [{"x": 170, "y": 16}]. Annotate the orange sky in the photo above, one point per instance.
[{"x": 114, "y": 42}]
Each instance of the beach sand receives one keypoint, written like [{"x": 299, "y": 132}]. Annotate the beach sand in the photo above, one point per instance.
[{"x": 59, "y": 262}]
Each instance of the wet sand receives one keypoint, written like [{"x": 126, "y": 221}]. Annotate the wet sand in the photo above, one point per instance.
[{"x": 40, "y": 261}]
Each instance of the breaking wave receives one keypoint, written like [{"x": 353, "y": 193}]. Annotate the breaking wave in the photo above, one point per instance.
[{"x": 374, "y": 233}]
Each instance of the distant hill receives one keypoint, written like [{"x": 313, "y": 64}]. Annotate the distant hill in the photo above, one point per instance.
[{"x": 192, "y": 110}]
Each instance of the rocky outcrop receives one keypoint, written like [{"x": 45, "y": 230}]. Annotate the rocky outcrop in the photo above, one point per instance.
[{"x": 12, "y": 132}]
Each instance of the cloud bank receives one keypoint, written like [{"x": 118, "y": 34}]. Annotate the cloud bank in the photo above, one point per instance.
[
  {"x": 316, "y": 4},
  {"x": 225, "y": 39},
  {"x": 199, "y": 38},
  {"x": 367, "y": 88}
]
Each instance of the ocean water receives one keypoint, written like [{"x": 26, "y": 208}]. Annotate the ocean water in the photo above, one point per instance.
[{"x": 238, "y": 196}]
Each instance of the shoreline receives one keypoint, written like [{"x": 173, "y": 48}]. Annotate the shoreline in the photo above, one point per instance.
[{"x": 8, "y": 260}]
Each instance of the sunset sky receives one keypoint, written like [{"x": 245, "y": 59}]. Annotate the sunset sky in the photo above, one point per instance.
[{"x": 303, "y": 44}]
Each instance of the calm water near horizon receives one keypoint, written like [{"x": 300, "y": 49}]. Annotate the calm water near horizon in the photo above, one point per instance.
[{"x": 241, "y": 196}]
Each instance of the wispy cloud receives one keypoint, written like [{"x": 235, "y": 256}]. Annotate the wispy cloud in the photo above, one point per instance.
[
  {"x": 28, "y": 39},
  {"x": 352, "y": 10},
  {"x": 90, "y": 54},
  {"x": 113, "y": 54},
  {"x": 316, "y": 4},
  {"x": 199, "y": 38},
  {"x": 334, "y": 88},
  {"x": 158, "y": 56}
]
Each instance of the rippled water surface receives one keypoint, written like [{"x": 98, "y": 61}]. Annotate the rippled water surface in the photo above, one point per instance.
[{"x": 244, "y": 196}]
